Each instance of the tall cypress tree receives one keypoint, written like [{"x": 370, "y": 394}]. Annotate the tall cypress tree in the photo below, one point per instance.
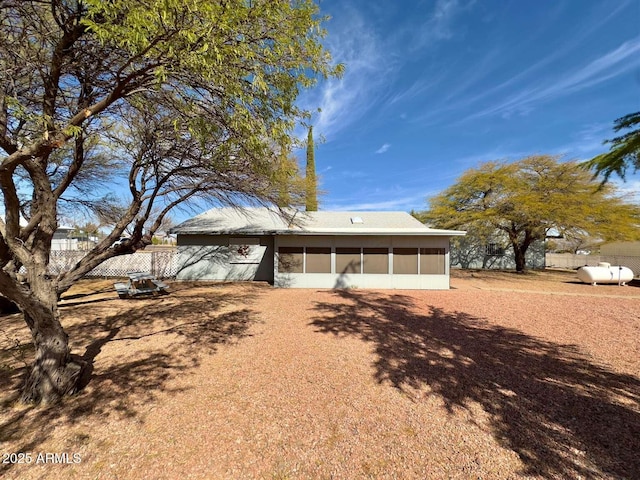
[{"x": 312, "y": 183}]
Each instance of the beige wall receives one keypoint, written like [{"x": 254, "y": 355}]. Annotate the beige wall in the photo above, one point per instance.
[
  {"x": 217, "y": 257},
  {"x": 211, "y": 257},
  {"x": 346, "y": 278}
]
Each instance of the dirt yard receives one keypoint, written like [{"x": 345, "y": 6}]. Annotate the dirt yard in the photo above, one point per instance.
[{"x": 503, "y": 376}]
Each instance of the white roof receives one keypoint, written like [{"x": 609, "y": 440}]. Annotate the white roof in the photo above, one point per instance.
[{"x": 266, "y": 221}]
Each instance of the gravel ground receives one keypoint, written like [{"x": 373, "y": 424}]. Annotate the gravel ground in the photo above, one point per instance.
[{"x": 503, "y": 376}]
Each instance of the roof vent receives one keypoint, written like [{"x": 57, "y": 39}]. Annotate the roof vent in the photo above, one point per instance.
[{"x": 356, "y": 220}]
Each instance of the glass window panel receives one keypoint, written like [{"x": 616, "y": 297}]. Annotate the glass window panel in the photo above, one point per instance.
[
  {"x": 405, "y": 261},
  {"x": 376, "y": 260},
  {"x": 494, "y": 249},
  {"x": 347, "y": 260},
  {"x": 318, "y": 260},
  {"x": 432, "y": 261},
  {"x": 290, "y": 259}
]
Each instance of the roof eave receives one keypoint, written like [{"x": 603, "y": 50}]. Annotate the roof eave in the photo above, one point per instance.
[{"x": 422, "y": 233}]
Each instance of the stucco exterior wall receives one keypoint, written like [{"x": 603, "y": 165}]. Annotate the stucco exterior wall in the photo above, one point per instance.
[{"x": 225, "y": 257}]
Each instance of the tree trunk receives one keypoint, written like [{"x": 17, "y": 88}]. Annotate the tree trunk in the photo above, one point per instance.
[
  {"x": 53, "y": 373},
  {"x": 520, "y": 258}
]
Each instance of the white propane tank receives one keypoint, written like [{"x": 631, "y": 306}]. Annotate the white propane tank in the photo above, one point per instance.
[{"x": 605, "y": 273}]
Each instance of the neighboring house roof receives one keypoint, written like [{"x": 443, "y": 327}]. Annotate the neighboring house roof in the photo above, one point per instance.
[{"x": 263, "y": 221}]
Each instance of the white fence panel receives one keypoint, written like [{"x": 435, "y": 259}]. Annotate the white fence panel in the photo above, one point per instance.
[
  {"x": 570, "y": 261},
  {"x": 161, "y": 264}
]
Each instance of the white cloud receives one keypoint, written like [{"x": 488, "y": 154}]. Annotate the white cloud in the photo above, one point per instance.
[
  {"x": 441, "y": 19},
  {"x": 629, "y": 189},
  {"x": 383, "y": 148},
  {"x": 417, "y": 89},
  {"x": 369, "y": 64},
  {"x": 616, "y": 62},
  {"x": 402, "y": 204},
  {"x": 343, "y": 101},
  {"x": 439, "y": 25},
  {"x": 588, "y": 142},
  {"x": 622, "y": 59},
  {"x": 521, "y": 93},
  {"x": 575, "y": 42},
  {"x": 352, "y": 174}
]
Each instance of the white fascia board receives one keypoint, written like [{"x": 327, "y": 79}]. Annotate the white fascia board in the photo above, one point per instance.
[
  {"x": 375, "y": 231},
  {"x": 332, "y": 231}
]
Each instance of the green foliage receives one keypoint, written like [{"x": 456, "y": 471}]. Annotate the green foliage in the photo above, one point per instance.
[
  {"x": 311, "y": 180},
  {"x": 526, "y": 199},
  {"x": 80, "y": 80},
  {"x": 290, "y": 185},
  {"x": 87, "y": 228},
  {"x": 624, "y": 152},
  {"x": 239, "y": 64},
  {"x": 257, "y": 54},
  {"x": 130, "y": 108}
]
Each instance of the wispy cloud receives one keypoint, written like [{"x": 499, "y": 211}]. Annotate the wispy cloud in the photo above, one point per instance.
[
  {"x": 439, "y": 25},
  {"x": 587, "y": 142},
  {"x": 353, "y": 174},
  {"x": 526, "y": 82},
  {"x": 616, "y": 62},
  {"x": 416, "y": 89},
  {"x": 402, "y": 203},
  {"x": 440, "y": 21},
  {"x": 370, "y": 67},
  {"x": 422, "y": 34},
  {"x": 353, "y": 43},
  {"x": 629, "y": 189},
  {"x": 383, "y": 148}
]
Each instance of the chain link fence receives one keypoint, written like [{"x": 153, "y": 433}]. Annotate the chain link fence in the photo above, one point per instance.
[
  {"x": 571, "y": 261},
  {"x": 161, "y": 264},
  {"x": 628, "y": 261}
]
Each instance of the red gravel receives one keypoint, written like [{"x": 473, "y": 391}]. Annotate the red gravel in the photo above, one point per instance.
[{"x": 503, "y": 376}]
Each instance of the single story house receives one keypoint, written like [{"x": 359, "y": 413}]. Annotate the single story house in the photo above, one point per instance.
[
  {"x": 496, "y": 253},
  {"x": 62, "y": 239},
  {"x": 298, "y": 249}
]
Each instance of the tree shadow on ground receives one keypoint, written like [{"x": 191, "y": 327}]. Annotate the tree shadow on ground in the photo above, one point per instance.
[
  {"x": 15, "y": 352},
  {"x": 158, "y": 340},
  {"x": 565, "y": 416}
]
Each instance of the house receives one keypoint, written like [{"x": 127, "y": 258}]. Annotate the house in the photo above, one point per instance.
[
  {"x": 494, "y": 253},
  {"x": 62, "y": 239},
  {"x": 314, "y": 249}
]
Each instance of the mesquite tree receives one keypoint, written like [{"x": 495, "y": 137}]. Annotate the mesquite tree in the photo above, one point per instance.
[
  {"x": 171, "y": 100},
  {"x": 526, "y": 199}
]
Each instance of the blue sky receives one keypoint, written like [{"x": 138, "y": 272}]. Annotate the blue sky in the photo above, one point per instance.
[{"x": 435, "y": 87}]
